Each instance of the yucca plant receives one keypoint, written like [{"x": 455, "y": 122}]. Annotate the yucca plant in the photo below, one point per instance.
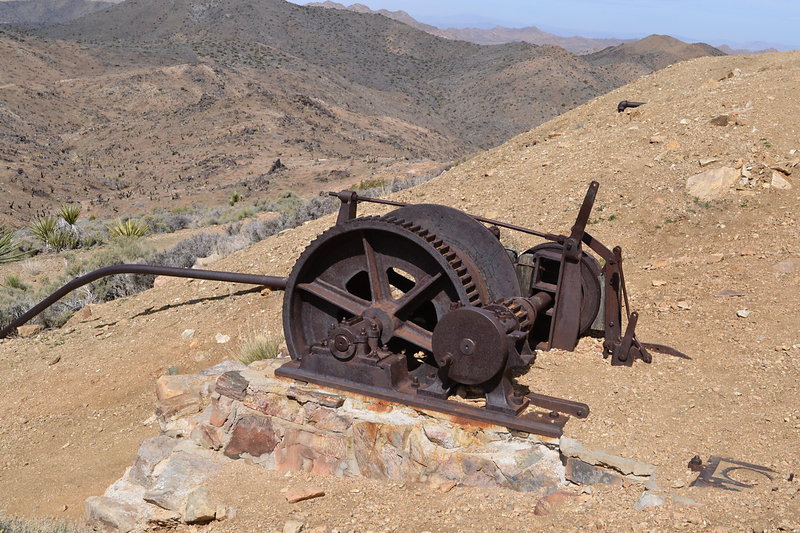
[
  {"x": 69, "y": 213},
  {"x": 8, "y": 247},
  {"x": 128, "y": 228},
  {"x": 43, "y": 228},
  {"x": 55, "y": 234}
]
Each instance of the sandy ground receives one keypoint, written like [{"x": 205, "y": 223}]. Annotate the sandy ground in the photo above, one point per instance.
[{"x": 69, "y": 428}]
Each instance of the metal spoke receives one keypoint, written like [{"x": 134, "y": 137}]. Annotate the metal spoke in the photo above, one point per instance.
[
  {"x": 336, "y": 296},
  {"x": 416, "y": 335},
  {"x": 425, "y": 289},
  {"x": 378, "y": 280}
]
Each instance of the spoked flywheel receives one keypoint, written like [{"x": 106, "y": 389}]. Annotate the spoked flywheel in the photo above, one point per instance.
[{"x": 400, "y": 276}]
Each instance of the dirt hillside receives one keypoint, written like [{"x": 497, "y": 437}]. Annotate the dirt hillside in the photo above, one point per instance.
[{"x": 78, "y": 400}]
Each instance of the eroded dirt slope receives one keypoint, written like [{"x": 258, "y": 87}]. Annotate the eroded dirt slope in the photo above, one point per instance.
[{"x": 69, "y": 428}]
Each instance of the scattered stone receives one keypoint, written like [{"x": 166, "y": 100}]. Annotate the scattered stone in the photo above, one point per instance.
[
  {"x": 83, "y": 314},
  {"x": 160, "y": 281},
  {"x": 712, "y": 184},
  {"x": 672, "y": 145},
  {"x": 293, "y": 526},
  {"x": 743, "y": 313},
  {"x": 178, "y": 406},
  {"x": 546, "y": 504},
  {"x": 232, "y": 385},
  {"x": 253, "y": 435},
  {"x": 649, "y": 499},
  {"x": 786, "y": 267},
  {"x": 206, "y": 261},
  {"x": 714, "y": 258},
  {"x": 729, "y": 293},
  {"x": 222, "y": 339},
  {"x": 573, "y": 448},
  {"x": 108, "y": 513},
  {"x": 656, "y": 139},
  {"x": 678, "y": 484},
  {"x": 300, "y": 494},
  {"x": 685, "y": 121},
  {"x": 779, "y": 182},
  {"x": 583, "y": 473},
  {"x": 720, "y": 120},
  {"x": 783, "y": 170},
  {"x": 54, "y": 360},
  {"x": 683, "y": 305},
  {"x": 29, "y": 330},
  {"x": 683, "y": 500},
  {"x": 658, "y": 282},
  {"x": 198, "y": 508},
  {"x": 321, "y": 398},
  {"x": 187, "y": 334},
  {"x": 173, "y": 385},
  {"x": 182, "y": 474},
  {"x": 707, "y": 161},
  {"x": 151, "y": 452},
  {"x": 221, "y": 368},
  {"x": 207, "y": 436}
]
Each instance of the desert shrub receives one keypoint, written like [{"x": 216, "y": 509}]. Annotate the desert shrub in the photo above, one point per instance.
[
  {"x": 259, "y": 346},
  {"x": 128, "y": 228},
  {"x": 121, "y": 251},
  {"x": 373, "y": 183},
  {"x": 167, "y": 221},
  {"x": 13, "y": 281},
  {"x": 186, "y": 252},
  {"x": 94, "y": 238},
  {"x": 235, "y": 198},
  {"x": 9, "y": 249},
  {"x": 26, "y": 525}
]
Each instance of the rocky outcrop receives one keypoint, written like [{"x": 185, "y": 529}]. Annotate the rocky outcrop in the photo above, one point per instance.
[{"x": 232, "y": 412}]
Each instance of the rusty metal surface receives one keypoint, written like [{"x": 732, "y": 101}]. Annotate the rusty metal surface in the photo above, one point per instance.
[
  {"x": 425, "y": 304},
  {"x": 538, "y": 423},
  {"x": 272, "y": 282}
]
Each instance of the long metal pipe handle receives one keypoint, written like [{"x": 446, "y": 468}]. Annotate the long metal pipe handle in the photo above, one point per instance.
[{"x": 272, "y": 282}]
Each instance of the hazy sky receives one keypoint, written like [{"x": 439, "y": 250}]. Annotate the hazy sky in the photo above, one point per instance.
[{"x": 735, "y": 22}]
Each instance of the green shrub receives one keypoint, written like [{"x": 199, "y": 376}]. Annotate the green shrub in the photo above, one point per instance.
[
  {"x": 48, "y": 231},
  {"x": 235, "y": 198},
  {"x": 43, "y": 228},
  {"x": 128, "y": 228},
  {"x": 374, "y": 183},
  {"x": 69, "y": 213},
  {"x": 13, "y": 281},
  {"x": 9, "y": 250}
]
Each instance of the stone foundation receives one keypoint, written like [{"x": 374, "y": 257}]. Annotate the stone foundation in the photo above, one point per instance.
[{"x": 232, "y": 411}]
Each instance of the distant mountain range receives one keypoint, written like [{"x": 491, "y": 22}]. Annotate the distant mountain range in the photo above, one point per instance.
[
  {"x": 47, "y": 11},
  {"x": 496, "y": 35},
  {"x": 146, "y": 101},
  {"x": 38, "y": 12}
]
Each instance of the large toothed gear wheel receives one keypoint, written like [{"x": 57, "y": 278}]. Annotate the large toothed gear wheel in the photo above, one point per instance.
[{"x": 397, "y": 271}]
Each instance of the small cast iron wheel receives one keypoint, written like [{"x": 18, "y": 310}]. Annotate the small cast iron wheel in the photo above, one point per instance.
[{"x": 590, "y": 282}]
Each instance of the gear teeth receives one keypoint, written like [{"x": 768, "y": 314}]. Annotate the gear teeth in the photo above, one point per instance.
[
  {"x": 519, "y": 312},
  {"x": 450, "y": 255}
]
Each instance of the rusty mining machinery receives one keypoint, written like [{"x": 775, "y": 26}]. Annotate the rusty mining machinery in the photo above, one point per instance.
[{"x": 410, "y": 306}]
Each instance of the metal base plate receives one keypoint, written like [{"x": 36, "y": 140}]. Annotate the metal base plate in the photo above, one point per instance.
[{"x": 545, "y": 424}]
